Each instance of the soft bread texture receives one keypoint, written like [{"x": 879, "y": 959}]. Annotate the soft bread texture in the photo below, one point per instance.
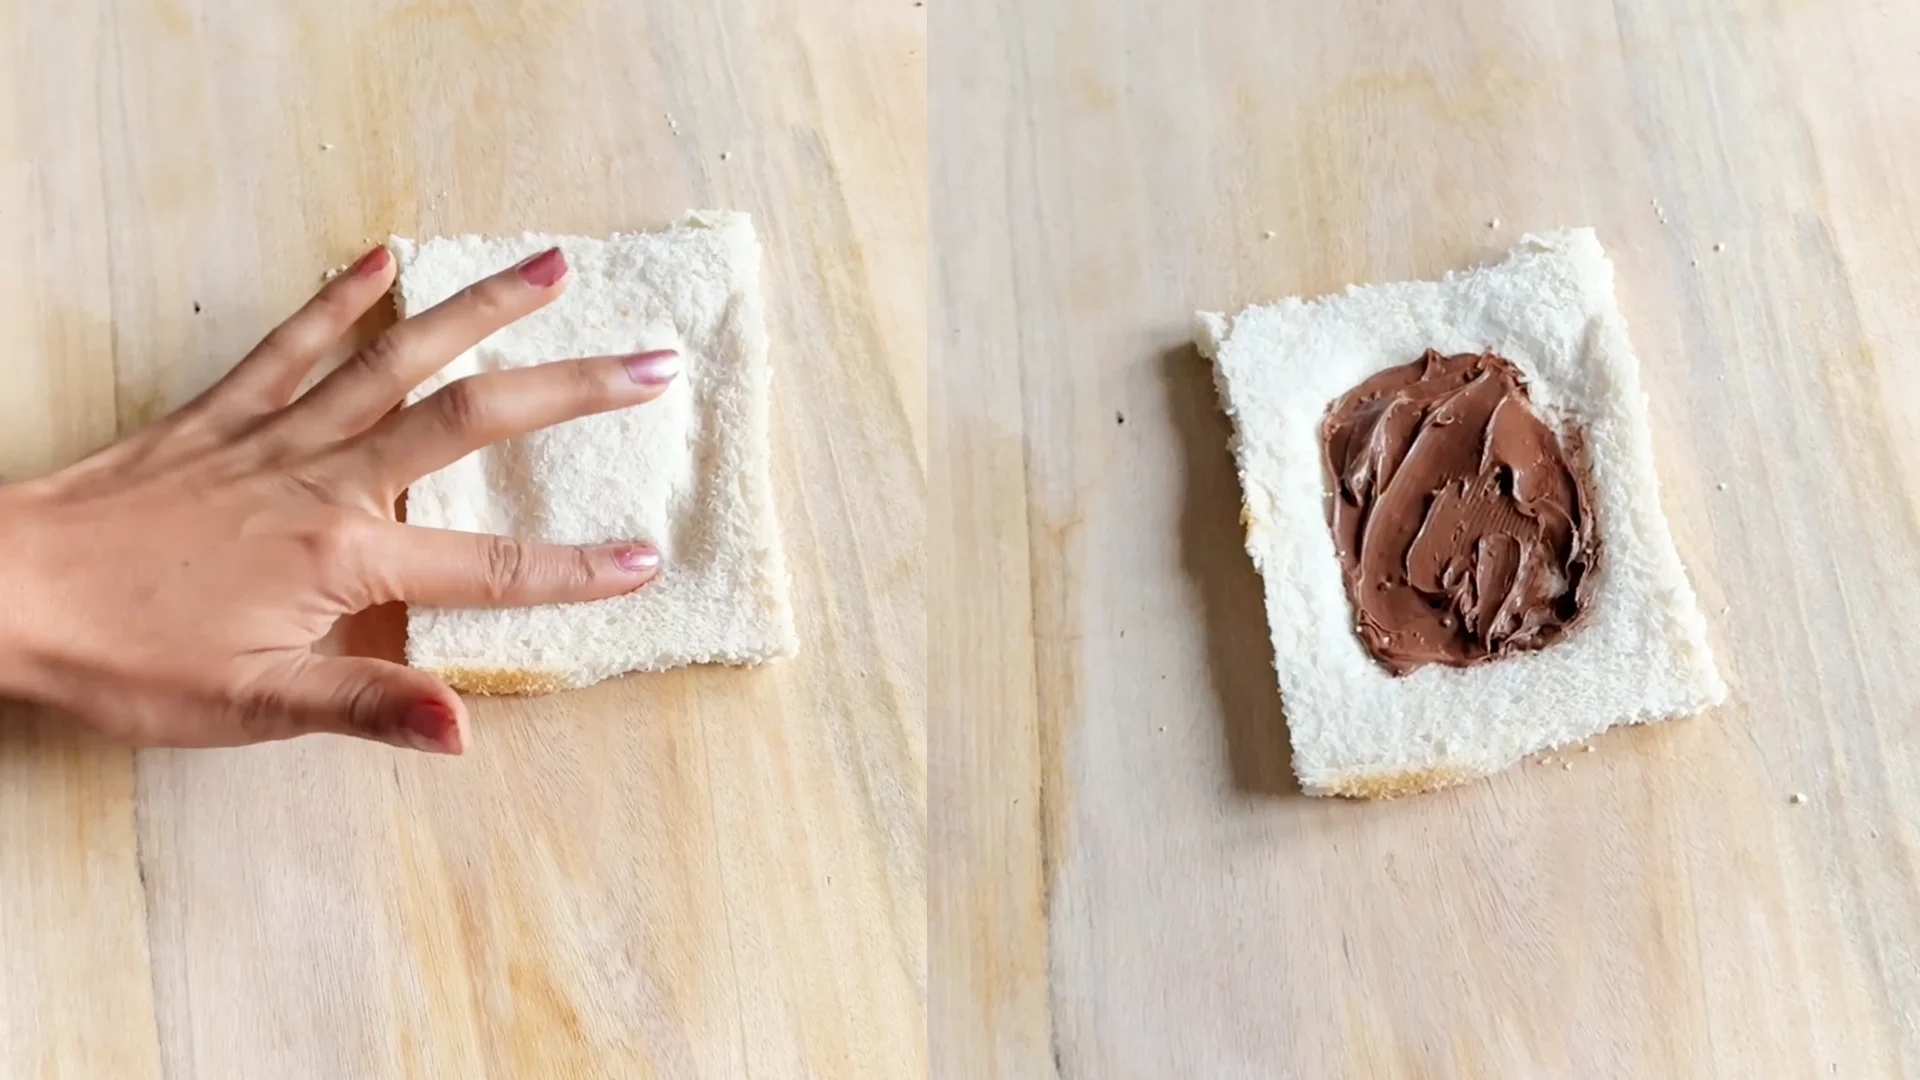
[
  {"x": 1641, "y": 653},
  {"x": 688, "y": 472}
]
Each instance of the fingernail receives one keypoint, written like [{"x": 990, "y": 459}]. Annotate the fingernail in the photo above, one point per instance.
[
  {"x": 543, "y": 269},
  {"x": 431, "y": 726},
  {"x": 653, "y": 368},
  {"x": 371, "y": 263},
  {"x": 637, "y": 558}
]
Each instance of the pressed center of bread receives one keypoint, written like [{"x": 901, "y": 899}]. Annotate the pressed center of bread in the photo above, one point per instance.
[{"x": 1464, "y": 530}]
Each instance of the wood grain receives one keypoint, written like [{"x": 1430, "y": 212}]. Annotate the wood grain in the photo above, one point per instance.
[
  {"x": 1127, "y": 883},
  {"x": 713, "y": 873}
]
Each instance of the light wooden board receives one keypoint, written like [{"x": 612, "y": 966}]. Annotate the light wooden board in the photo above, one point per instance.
[
  {"x": 713, "y": 873},
  {"x": 1126, "y": 883}
]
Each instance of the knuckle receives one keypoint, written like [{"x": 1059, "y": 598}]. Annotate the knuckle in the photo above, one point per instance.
[
  {"x": 364, "y": 711},
  {"x": 258, "y": 712},
  {"x": 380, "y": 353},
  {"x": 282, "y": 340},
  {"x": 300, "y": 333},
  {"x": 256, "y": 715},
  {"x": 327, "y": 315},
  {"x": 460, "y": 407},
  {"x": 327, "y": 308},
  {"x": 587, "y": 385},
  {"x": 490, "y": 300},
  {"x": 582, "y": 570},
  {"x": 197, "y": 423},
  {"x": 504, "y": 567},
  {"x": 333, "y": 540},
  {"x": 378, "y": 359}
]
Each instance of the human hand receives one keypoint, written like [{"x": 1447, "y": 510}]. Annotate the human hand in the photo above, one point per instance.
[{"x": 170, "y": 589}]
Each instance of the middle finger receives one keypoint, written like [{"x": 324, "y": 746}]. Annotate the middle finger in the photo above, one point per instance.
[{"x": 480, "y": 410}]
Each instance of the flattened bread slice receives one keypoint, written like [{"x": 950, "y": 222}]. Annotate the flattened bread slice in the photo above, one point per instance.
[
  {"x": 1641, "y": 651},
  {"x": 689, "y": 472}
]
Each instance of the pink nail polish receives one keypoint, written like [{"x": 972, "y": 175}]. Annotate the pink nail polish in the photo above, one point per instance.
[
  {"x": 653, "y": 368},
  {"x": 431, "y": 726},
  {"x": 636, "y": 558},
  {"x": 371, "y": 263},
  {"x": 542, "y": 270}
]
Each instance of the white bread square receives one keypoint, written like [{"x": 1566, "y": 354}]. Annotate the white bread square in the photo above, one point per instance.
[
  {"x": 688, "y": 472},
  {"x": 1640, "y": 653}
]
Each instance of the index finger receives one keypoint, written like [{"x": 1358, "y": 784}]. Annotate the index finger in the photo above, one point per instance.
[
  {"x": 379, "y": 375},
  {"x": 267, "y": 378}
]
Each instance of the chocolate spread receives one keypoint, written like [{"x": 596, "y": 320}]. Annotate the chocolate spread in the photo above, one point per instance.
[{"x": 1464, "y": 530}]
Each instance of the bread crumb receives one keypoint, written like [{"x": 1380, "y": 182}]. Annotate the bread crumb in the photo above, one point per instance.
[
  {"x": 1568, "y": 765},
  {"x": 1796, "y": 798},
  {"x": 726, "y": 155},
  {"x": 1693, "y": 262},
  {"x": 1875, "y": 833},
  {"x": 1493, "y": 223},
  {"x": 1721, "y": 486},
  {"x": 1268, "y": 235},
  {"x": 1719, "y": 247},
  {"x": 1588, "y": 749},
  {"x": 326, "y": 146}
]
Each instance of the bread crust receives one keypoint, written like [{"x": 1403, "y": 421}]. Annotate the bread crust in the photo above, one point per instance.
[
  {"x": 501, "y": 682},
  {"x": 1395, "y": 784}
]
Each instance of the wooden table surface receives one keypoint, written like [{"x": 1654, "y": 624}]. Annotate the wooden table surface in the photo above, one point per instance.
[
  {"x": 1125, "y": 881},
  {"x": 713, "y": 873}
]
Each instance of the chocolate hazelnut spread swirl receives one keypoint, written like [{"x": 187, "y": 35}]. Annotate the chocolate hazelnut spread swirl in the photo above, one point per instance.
[{"x": 1464, "y": 529}]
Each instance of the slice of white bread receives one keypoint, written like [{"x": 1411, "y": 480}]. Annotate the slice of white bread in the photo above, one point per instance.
[
  {"x": 688, "y": 472},
  {"x": 1641, "y": 652}
]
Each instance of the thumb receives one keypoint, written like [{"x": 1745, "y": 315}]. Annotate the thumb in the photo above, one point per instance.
[{"x": 378, "y": 700}]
